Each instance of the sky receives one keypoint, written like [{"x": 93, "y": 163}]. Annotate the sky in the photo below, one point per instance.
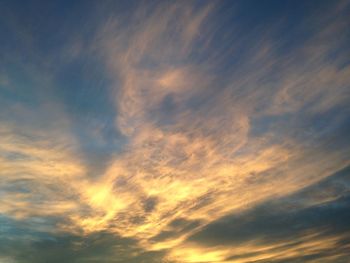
[{"x": 174, "y": 131}]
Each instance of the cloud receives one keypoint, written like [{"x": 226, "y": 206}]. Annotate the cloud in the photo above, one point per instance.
[
  {"x": 165, "y": 133},
  {"x": 309, "y": 224},
  {"x": 18, "y": 244}
]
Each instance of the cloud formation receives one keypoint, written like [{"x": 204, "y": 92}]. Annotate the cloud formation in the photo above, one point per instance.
[{"x": 175, "y": 132}]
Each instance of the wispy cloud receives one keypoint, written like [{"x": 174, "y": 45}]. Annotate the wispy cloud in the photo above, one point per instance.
[{"x": 180, "y": 138}]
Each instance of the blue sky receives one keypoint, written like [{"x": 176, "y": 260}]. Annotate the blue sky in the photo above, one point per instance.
[{"x": 174, "y": 131}]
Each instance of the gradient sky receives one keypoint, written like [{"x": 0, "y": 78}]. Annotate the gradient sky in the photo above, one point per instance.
[{"x": 174, "y": 131}]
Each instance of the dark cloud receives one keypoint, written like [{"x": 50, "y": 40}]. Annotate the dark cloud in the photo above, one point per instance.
[
  {"x": 176, "y": 228},
  {"x": 150, "y": 204},
  {"x": 323, "y": 208},
  {"x": 23, "y": 245}
]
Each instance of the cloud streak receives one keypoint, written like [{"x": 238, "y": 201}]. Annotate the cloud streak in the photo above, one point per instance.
[{"x": 168, "y": 135}]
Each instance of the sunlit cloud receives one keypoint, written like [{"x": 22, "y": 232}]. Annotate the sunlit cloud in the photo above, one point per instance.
[{"x": 171, "y": 131}]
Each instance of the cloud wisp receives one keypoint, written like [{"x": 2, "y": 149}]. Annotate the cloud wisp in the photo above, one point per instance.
[{"x": 177, "y": 132}]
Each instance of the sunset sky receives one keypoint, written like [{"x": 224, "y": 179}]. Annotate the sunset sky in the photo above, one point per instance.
[{"x": 174, "y": 131}]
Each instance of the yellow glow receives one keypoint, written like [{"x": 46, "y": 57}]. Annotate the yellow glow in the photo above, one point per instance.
[{"x": 194, "y": 165}]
